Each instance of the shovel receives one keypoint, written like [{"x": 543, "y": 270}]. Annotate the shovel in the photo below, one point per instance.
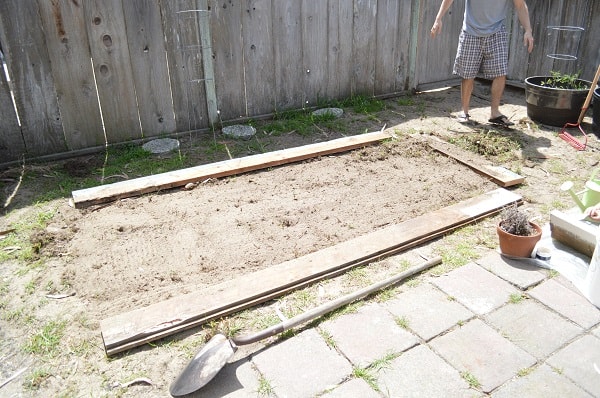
[
  {"x": 215, "y": 354},
  {"x": 574, "y": 142}
]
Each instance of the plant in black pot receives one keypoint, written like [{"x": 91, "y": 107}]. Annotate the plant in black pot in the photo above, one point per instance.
[
  {"x": 557, "y": 99},
  {"x": 516, "y": 234}
]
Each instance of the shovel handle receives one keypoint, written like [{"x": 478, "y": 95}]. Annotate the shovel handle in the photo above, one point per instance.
[
  {"x": 588, "y": 99},
  {"x": 333, "y": 305}
]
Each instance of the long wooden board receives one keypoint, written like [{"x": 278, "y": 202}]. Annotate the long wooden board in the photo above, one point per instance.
[
  {"x": 498, "y": 174},
  {"x": 139, "y": 186},
  {"x": 137, "y": 327}
]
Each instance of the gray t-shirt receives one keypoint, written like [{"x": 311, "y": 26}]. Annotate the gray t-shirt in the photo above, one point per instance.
[{"x": 485, "y": 17}]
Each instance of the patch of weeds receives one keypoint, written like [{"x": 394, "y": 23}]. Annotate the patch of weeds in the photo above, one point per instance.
[
  {"x": 328, "y": 337},
  {"x": 82, "y": 348},
  {"x": 460, "y": 323},
  {"x": 489, "y": 144},
  {"x": 363, "y": 104},
  {"x": 405, "y": 101},
  {"x": 34, "y": 380},
  {"x": 402, "y": 322},
  {"x": 46, "y": 341},
  {"x": 347, "y": 309},
  {"x": 298, "y": 302},
  {"x": 386, "y": 294},
  {"x": 264, "y": 389},
  {"x": 299, "y": 121},
  {"x": 385, "y": 362},
  {"x": 552, "y": 273},
  {"x": 460, "y": 247},
  {"x": 472, "y": 380},
  {"x": 357, "y": 277},
  {"x": 524, "y": 372},
  {"x": 516, "y": 298},
  {"x": 367, "y": 375},
  {"x": 556, "y": 166},
  {"x": 30, "y": 287}
]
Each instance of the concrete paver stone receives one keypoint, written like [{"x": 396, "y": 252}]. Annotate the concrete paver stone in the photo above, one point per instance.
[
  {"x": 542, "y": 382},
  {"x": 567, "y": 303},
  {"x": 419, "y": 372},
  {"x": 580, "y": 362},
  {"x": 428, "y": 311},
  {"x": 302, "y": 366},
  {"x": 478, "y": 349},
  {"x": 477, "y": 289},
  {"x": 533, "y": 327},
  {"x": 516, "y": 272},
  {"x": 369, "y": 334},
  {"x": 352, "y": 388}
]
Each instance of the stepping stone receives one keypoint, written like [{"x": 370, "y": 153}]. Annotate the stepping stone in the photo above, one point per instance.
[
  {"x": 518, "y": 273},
  {"x": 533, "y": 327},
  {"x": 475, "y": 288},
  {"x": 336, "y": 112},
  {"x": 566, "y": 302},
  {"x": 302, "y": 366},
  {"x": 239, "y": 131},
  {"x": 368, "y": 335},
  {"x": 428, "y": 311},
  {"x": 480, "y": 350},
  {"x": 419, "y": 372},
  {"x": 580, "y": 362},
  {"x": 162, "y": 145},
  {"x": 542, "y": 382}
]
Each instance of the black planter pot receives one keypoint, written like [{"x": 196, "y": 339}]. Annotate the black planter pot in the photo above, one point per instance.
[{"x": 553, "y": 106}]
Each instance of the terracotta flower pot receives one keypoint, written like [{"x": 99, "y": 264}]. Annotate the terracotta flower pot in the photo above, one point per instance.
[{"x": 516, "y": 245}]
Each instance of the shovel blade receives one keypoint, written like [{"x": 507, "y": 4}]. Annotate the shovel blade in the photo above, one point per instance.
[{"x": 204, "y": 366}]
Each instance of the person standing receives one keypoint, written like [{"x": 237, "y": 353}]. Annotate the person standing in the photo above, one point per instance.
[{"x": 483, "y": 45}]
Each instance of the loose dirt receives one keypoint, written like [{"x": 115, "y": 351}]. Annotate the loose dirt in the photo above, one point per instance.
[{"x": 138, "y": 251}]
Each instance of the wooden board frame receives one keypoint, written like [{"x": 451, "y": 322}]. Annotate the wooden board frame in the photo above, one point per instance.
[
  {"x": 139, "y": 186},
  {"x": 128, "y": 330}
]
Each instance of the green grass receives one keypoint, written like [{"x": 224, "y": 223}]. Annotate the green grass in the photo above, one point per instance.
[
  {"x": 367, "y": 375},
  {"x": 265, "y": 389},
  {"x": 34, "y": 380},
  {"x": 46, "y": 341},
  {"x": 471, "y": 379},
  {"x": 516, "y": 298},
  {"x": 402, "y": 322}
]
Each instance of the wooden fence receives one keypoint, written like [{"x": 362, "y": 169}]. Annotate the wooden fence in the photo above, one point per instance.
[{"x": 89, "y": 73}]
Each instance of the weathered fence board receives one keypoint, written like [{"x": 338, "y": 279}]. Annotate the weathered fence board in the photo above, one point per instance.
[
  {"x": 257, "y": 50},
  {"x": 68, "y": 46},
  {"x": 12, "y": 145},
  {"x": 184, "y": 55},
  {"x": 229, "y": 59},
  {"x": 91, "y": 73},
  {"x": 112, "y": 67},
  {"x": 30, "y": 71},
  {"x": 148, "y": 60}
]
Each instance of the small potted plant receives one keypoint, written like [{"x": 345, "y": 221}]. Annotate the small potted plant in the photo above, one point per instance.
[
  {"x": 557, "y": 99},
  {"x": 516, "y": 234}
]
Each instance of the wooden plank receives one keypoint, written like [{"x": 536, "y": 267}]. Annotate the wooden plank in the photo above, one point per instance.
[
  {"x": 68, "y": 46},
  {"x": 229, "y": 60},
  {"x": 569, "y": 229},
  {"x": 339, "y": 53},
  {"x": 153, "y": 183},
  {"x": 112, "y": 68},
  {"x": 289, "y": 71},
  {"x": 150, "y": 72},
  {"x": 314, "y": 50},
  {"x": 12, "y": 146},
  {"x": 184, "y": 55},
  {"x": 363, "y": 50},
  {"x": 164, "y": 318},
  {"x": 23, "y": 44},
  {"x": 258, "y": 57},
  {"x": 498, "y": 174}
]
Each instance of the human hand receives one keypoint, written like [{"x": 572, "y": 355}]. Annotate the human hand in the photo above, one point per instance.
[
  {"x": 593, "y": 212},
  {"x": 528, "y": 41},
  {"x": 436, "y": 28}
]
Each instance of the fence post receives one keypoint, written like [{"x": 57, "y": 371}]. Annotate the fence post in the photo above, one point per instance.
[
  {"x": 207, "y": 62},
  {"x": 414, "y": 44}
]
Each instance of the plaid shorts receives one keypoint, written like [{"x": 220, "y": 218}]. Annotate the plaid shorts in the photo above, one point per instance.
[{"x": 488, "y": 54}]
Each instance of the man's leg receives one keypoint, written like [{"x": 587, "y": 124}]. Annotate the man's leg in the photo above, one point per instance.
[
  {"x": 497, "y": 91},
  {"x": 466, "y": 89}
]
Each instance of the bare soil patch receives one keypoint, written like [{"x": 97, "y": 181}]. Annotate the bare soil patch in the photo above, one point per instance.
[{"x": 142, "y": 250}]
